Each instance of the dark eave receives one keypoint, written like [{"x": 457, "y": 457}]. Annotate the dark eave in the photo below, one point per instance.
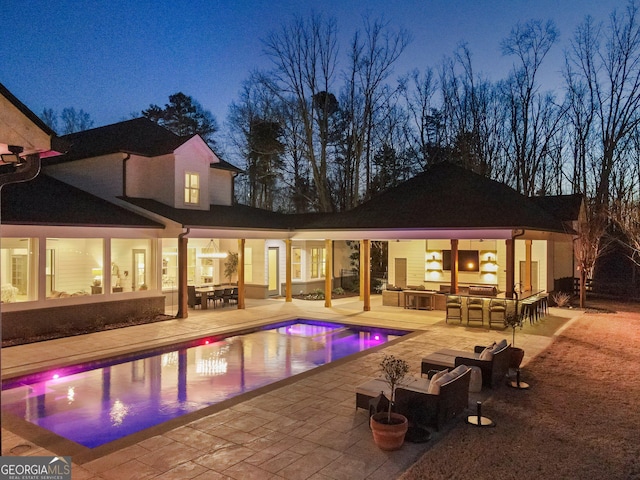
[
  {"x": 47, "y": 201},
  {"x": 218, "y": 216},
  {"x": 224, "y": 165},
  {"x": 565, "y": 207}
]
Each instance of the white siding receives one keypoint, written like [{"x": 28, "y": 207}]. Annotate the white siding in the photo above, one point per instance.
[
  {"x": 151, "y": 178},
  {"x": 100, "y": 176},
  {"x": 220, "y": 187}
]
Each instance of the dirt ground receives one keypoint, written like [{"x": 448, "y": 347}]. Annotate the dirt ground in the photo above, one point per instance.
[{"x": 579, "y": 420}]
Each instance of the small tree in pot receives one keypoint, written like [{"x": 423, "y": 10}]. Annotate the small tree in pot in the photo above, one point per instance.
[
  {"x": 513, "y": 320},
  {"x": 389, "y": 428}
]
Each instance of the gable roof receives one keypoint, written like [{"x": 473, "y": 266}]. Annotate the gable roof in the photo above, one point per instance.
[
  {"x": 47, "y": 201},
  {"x": 446, "y": 196},
  {"x": 138, "y": 136}
]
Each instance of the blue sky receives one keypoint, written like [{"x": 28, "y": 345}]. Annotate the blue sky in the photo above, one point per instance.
[{"x": 114, "y": 58}]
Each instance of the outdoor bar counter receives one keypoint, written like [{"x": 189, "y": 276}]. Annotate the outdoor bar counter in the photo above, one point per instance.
[{"x": 422, "y": 299}]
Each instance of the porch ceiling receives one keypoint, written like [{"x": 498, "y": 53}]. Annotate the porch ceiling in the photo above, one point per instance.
[{"x": 403, "y": 234}]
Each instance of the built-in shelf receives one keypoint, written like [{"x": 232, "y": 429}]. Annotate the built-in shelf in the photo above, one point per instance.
[{"x": 488, "y": 262}]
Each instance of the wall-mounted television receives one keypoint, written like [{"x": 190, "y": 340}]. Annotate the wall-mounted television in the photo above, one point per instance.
[{"x": 468, "y": 260}]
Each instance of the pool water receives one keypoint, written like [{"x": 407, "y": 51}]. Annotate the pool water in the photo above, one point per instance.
[{"x": 101, "y": 402}]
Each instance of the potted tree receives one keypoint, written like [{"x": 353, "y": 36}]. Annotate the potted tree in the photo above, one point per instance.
[
  {"x": 513, "y": 320},
  {"x": 389, "y": 428},
  {"x": 231, "y": 266}
]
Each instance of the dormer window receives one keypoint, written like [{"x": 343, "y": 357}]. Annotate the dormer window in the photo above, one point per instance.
[{"x": 192, "y": 188}]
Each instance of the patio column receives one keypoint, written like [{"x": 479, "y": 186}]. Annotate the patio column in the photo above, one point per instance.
[
  {"x": 287, "y": 287},
  {"x": 328, "y": 271},
  {"x": 361, "y": 279},
  {"x": 365, "y": 273},
  {"x": 527, "y": 266},
  {"x": 183, "y": 305},
  {"x": 510, "y": 273},
  {"x": 241, "y": 243},
  {"x": 454, "y": 265}
]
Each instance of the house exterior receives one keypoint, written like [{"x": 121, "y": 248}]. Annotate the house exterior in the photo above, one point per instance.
[{"x": 130, "y": 214}]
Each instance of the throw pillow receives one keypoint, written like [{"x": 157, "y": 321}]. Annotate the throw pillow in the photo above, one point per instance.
[
  {"x": 459, "y": 370},
  {"x": 439, "y": 374},
  {"x": 486, "y": 354},
  {"x": 434, "y": 385},
  {"x": 500, "y": 345}
]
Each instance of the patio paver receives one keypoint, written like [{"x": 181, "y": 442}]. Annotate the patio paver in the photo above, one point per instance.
[{"x": 305, "y": 428}]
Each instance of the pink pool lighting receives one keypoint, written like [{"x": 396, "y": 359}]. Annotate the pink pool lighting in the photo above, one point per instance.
[{"x": 100, "y": 402}]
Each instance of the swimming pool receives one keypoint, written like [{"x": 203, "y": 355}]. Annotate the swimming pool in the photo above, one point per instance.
[{"x": 98, "y": 403}]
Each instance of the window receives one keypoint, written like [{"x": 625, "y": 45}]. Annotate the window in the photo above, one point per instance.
[
  {"x": 248, "y": 264},
  {"x": 296, "y": 263},
  {"x": 130, "y": 270},
  {"x": 18, "y": 276},
  {"x": 192, "y": 188},
  {"x": 317, "y": 262},
  {"x": 169, "y": 264},
  {"x": 74, "y": 267}
]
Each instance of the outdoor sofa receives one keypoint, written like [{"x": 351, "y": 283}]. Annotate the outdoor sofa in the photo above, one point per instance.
[
  {"x": 493, "y": 361},
  {"x": 425, "y": 402}
]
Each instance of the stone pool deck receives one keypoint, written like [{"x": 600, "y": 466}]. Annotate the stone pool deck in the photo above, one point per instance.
[{"x": 301, "y": 428}]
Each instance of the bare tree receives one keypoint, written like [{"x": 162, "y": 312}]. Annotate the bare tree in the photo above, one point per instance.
[
  {"x": 72, "y": 120},
  {"x": 604, "y": 67},
  {"x": 611, "y": 73},
  {"x": 534, "y": 118},
  {"x": 592, "y": 243},
  {"x": 304, "y": 55},
  {"x": 474, "y": 115},
  {"x": 256, "y": 130},
  {"x": 50, "y": 118},
  {"x": 422, "y": 132},
  {"x": 372, "y": 55}
]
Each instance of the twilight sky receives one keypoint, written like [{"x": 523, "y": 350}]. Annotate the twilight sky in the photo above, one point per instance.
[{"x": 113, "y": 58}]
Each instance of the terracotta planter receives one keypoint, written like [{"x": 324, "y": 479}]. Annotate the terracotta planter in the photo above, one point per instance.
[
  {"x": 388, "y": 436},
  {"x": 517, "y": 354}
]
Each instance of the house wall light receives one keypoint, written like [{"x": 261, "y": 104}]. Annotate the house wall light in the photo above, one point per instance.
[{"x": 13, "y": 156}]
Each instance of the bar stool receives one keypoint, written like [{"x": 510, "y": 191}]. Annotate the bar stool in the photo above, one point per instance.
[
  {"x": 475, "y": 310},
  {"x": 528, "y": 309},
  {"x": 543, "y": 308},
  {"x": 454, "y": 308},
  {"x": 497, "y": 311}
]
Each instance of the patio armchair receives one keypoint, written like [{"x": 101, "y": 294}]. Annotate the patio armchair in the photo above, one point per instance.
[
  {"x": 493, "y": 361},
  {"x": 425, "y": 402}
]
